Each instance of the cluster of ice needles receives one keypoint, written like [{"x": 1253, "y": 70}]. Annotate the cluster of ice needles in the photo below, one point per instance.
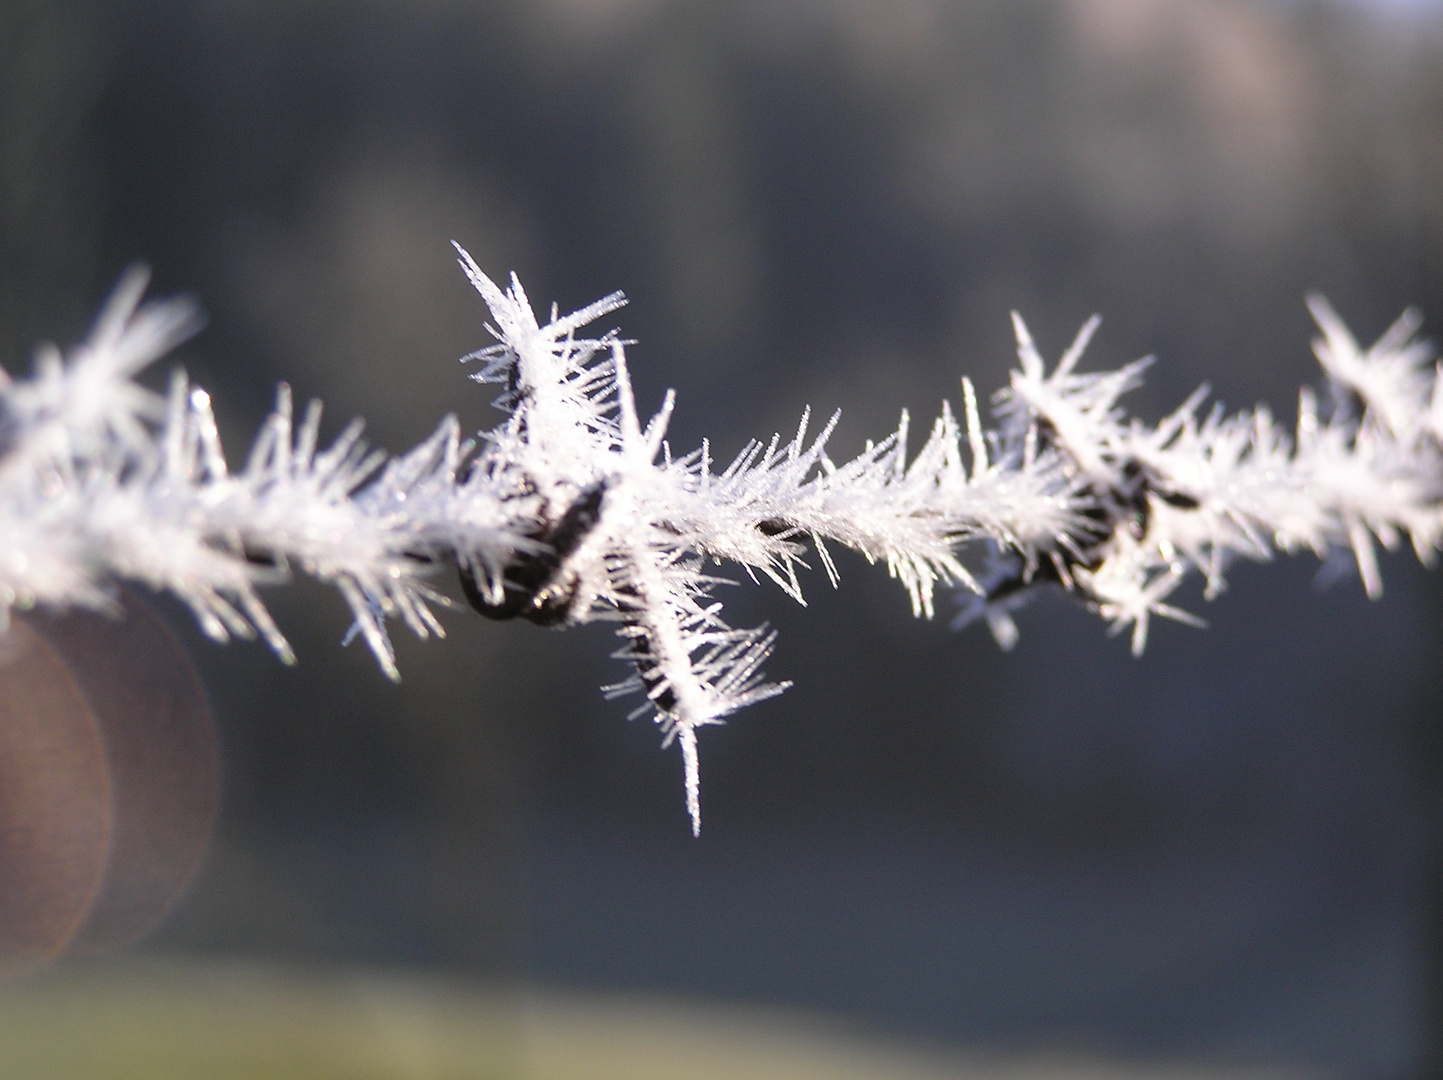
[{"x": 574, "y": 509}]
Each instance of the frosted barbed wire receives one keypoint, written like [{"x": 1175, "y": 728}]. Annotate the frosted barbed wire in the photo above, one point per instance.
[
  {"x": 1192, "y": 494},
  {"x": 570, "y": 510},
  {"x": 101, "y": 479},
  {"x": 626, "y": 527}
]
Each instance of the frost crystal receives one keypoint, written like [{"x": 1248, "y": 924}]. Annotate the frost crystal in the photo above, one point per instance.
[{"x": 572, "y": 510}]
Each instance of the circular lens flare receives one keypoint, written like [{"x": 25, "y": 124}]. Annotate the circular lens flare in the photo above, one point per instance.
[
  {"x": 55, "y": 803},
  {"x": 109, "y": 781}
]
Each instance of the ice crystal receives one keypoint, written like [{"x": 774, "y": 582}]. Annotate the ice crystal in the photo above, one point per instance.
[{"x": 572, "y": 510}]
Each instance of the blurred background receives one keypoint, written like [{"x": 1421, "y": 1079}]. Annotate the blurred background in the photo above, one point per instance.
[{"x": 1222, "y": 857}]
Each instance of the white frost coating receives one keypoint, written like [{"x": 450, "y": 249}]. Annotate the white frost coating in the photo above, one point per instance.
[
  {"x": 101, "y": 479},
  {"x": 570, "y": 510},
  {"x": 1195, "y": 493}
]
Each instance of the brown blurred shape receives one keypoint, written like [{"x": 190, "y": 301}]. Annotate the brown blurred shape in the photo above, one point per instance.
[{"x": 109, "y": 781}]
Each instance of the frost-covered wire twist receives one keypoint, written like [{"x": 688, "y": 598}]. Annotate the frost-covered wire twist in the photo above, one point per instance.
[{"x": 572, "y": 509}]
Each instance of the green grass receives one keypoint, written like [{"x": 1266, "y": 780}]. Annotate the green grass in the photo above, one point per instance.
[{"x": 148, "y": 1019}]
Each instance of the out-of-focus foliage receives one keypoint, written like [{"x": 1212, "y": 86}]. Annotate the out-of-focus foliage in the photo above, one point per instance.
[
  {"x": 49, "y": 186},
  {"x": 171, "y": 1020}
]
